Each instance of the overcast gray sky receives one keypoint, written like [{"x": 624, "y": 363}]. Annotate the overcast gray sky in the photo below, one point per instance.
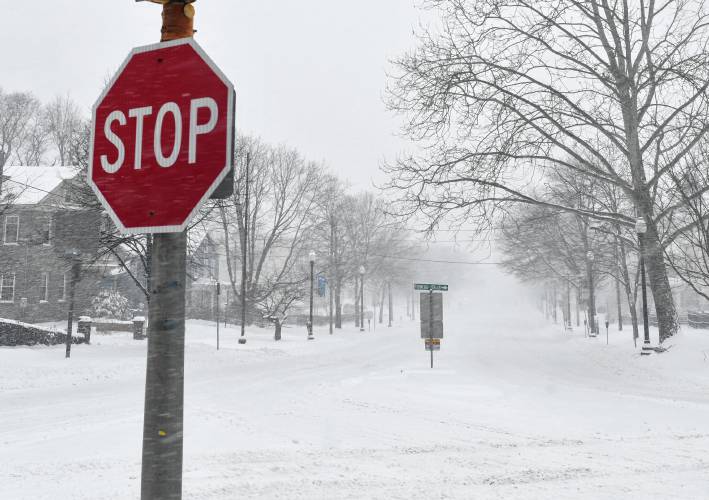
[{"x": 310, "y": 73}]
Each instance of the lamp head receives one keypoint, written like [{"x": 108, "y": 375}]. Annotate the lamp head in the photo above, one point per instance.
[{"x": 361, "y": 269}]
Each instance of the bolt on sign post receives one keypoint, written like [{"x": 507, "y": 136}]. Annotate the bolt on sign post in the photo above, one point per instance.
[
  {"x": 162, "y": 144},
  {"x": 431, "y": 315}
]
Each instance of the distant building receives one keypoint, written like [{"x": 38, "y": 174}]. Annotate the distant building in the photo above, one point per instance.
[
  {"x": 206, "y": 267},
  {"x": 40, "y": 222}
]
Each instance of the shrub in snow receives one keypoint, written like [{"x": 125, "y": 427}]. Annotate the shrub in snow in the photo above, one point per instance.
[
  {"x": 14, "y": 333},
  {"x": 109, "y": 304}
]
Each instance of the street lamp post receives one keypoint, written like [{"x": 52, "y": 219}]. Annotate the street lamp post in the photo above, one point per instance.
[
  {"x": 591, "y": 295},
  {"x": 361, "y": 298},
  {"x": 568, "y": 304},
  {"x": 641, "y": 229},
  {"x": 312, "y": 284}
]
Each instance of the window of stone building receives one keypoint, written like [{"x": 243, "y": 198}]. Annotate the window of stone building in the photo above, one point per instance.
[
  {"x": 65, "y": 281},
  {"x": 7, "y": 287},
  {"x": 44, "y": 288},
  {"x": 68, "y": 193},
  {"x": 11, "y": 233},
  {"x": 46, "y": 231}
]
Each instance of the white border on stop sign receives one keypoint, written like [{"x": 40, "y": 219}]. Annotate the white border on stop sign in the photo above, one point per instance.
[{"x": 230, "y": 136}]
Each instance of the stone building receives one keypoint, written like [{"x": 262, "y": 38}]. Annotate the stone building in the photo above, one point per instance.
[{"x": 41, "y": 223}]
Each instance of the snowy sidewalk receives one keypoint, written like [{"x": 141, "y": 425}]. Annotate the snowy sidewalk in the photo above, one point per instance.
[{"x": 515, "y": 408}]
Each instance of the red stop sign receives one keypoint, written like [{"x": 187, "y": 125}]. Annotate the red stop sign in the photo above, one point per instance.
[{"x": 162, "y": 137}]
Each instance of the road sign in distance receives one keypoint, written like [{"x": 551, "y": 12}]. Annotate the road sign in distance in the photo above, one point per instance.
[
  {"x": 437, "y": 330},
  {"x": 433, "y": 344},
  {"x": 426, "y": 308},
  {"x": 430, "y": 286}
]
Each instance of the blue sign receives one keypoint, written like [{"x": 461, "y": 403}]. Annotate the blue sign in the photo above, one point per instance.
[{"x": 322, "y": 285}]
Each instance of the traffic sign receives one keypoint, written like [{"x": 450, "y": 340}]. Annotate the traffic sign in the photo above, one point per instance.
[
  {"x": 432, "y": 330},
  {"x": 431, "y": 315},
  {"x": 432, "y": 344},
  {"x": 162, "y": 137},
  {"x": 430, "y": 286}
]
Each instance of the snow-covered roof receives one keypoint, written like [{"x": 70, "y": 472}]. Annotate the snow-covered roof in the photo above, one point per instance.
[{"x": 29, "y": 185}]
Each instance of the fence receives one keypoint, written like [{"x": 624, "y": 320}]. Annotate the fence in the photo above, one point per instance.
[{"x": 697, "y": 319}]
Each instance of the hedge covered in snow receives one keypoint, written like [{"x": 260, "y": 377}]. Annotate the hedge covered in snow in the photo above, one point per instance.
[{"x": 13, "y": 333}]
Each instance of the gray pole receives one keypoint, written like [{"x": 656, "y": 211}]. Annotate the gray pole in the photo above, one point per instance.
[
  {"x": 164, "y": 380},
  {"x": 218, "y": 294},
  {"x": 568, "y": 303},
  {"x": 312, "y": 284},
  {"x": 646, "y": 324},
  {"x": 430, "y": 323},
  {"x": 161, "y": 475},
  {"x": 361, "y": 303},
  {"x": 391, "y": 304},
  {"x": 617, "y": 285},
  {"x": 75, "y": 272},
  {"x": 591, "y": 299},
  {"x": 330, "y": 274},
  {"x": 244, "y": 251}
]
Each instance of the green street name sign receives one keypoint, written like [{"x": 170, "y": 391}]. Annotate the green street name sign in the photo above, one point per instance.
[{"x": 430, "y": 286}]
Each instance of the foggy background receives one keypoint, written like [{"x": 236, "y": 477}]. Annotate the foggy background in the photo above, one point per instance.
[{"x": 310, "y": 74}]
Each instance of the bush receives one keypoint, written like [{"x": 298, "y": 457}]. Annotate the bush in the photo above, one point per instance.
[
  {"x": 13, "y": 333},
  {"x": 110, "y": 304}
]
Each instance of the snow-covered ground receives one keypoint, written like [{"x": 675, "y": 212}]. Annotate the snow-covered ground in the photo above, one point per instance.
[{"x": 514, "y": 408}]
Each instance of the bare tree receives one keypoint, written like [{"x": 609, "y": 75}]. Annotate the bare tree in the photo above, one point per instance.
[
  {"x": 17, "y": 111},
  {"x": 63, "y": 122},
  {"x": 330, "y": 235},
  {"x": 687, "y": 245},
  {"x": 283, "y": 188},
  {"x": 34, "y": 142},
  {"x": 507, "y": 89}
]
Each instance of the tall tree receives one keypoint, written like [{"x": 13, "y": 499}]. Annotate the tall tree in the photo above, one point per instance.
[
  {"x": 505, "y": 89},
  {"x": 330, "y": 234},
  {"x": 63, "y": 121},
  {"x": 282, "y": 189},
  {"x": 17, "y": 110}
]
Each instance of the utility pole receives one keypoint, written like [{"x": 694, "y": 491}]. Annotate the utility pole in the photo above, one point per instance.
[
  {"x": 2, "y": 167},
  {"x": 430, "y": 321},
  {"x": 641, "y": 229},
  {"x": 616, "y": 254},
  {"x": 568, "y": 303},
  {"x": 591, "y": 294},
  {"x": 75, "y": 257},
  {"x": 161, "y": 476},
  {"x": 361, "y": 298},
  {"x": 330, "y": 274},
  {"x": 219, "y": 292},
  {"x": 391, "y": 304},
  {"x": 408, "y": 307},
  {"x": 312, "y": 285},
  {"x": 244, "y": 250}
]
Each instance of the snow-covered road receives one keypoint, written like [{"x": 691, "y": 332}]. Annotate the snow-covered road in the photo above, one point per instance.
[{"x": 515, "y": 408}]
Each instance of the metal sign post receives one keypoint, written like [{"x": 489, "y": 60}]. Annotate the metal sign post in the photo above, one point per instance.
[
  {"x": 219, "y": 293},
  {"x": 431, "y": 315},
  {"x": 430, "y": 322},
  {"x": 162, "y": 144}
]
